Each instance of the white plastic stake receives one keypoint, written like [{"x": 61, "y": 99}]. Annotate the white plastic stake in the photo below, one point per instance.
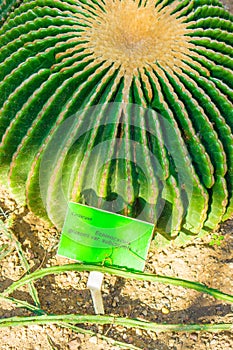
[{"x": 94, "y": 283}]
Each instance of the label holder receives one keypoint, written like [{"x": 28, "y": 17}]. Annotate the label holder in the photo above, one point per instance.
[{"x": 92, "y": 235}]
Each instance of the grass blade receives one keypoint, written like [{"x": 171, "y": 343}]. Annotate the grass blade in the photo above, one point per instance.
[{"x": 38, "y": 311}]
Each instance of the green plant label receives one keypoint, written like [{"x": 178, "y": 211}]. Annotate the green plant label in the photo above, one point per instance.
[{"x": 92, "y": 235}]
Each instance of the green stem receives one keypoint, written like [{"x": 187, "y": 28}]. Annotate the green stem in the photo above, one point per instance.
[
  {"x": 23, "y": 304},
  {"x": 119, "y": 321},
  {"x": 38, "y": 311},
  {"x": 121, "y": 273}
]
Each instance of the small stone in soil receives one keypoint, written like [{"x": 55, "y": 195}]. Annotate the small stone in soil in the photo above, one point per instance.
[
  {"x": 73, "y": 344},
  {"x": 165, "y": 310},
  {"x": 93, "y": 340}
]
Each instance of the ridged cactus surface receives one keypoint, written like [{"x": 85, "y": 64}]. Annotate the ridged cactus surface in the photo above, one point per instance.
[{"x": 123, "y": 105}]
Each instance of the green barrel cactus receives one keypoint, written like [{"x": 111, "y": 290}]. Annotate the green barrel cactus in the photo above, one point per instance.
[{"x": 125, "y": 105}]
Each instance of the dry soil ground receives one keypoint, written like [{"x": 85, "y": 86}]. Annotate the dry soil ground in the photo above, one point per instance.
[{"x": 67, "y": 293}]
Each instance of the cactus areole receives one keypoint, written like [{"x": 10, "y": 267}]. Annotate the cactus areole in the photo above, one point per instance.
[{"x": 123, "y": 105}]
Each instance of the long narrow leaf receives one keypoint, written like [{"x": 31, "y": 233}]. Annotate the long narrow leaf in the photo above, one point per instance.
[
  {"x": 121, "y": 273},
  {"x": 38, "y": 311},
  {"x": 120, "y": 321}
]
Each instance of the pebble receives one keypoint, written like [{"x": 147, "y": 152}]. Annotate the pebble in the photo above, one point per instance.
[
  {"x": 165, "y": 310},
  {"x": 115, "y": 301},
  {"x": 166, "y": 302},
  {"x": 194, "y": 336},
  {"x": 37, "y": 328},
  {"x": 171, "y": 343},
  {"x": 73, "y": 344},
  {"x": 126, "y": 309},
  {"x": 120, "y": 329},
  {"x": 146, "y": 284},
  {"x": 93, "y": 340},
  {"x": 213, "y": 342},
  {"x": 139, "y": 332},
  {"x": 130, "y": 339}
]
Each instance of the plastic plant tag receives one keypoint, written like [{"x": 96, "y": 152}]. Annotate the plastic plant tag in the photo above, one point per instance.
[{"x": 96, "y": 236}]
